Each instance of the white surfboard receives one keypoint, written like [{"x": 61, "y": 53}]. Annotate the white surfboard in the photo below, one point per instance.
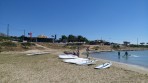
[
  {"x": 104, "y": 66},
  {"x": 86, "y": 62},
  {"x": 38, "y": 53},
  {"x": 69, "y": 56},
  {"x": 76, "y": 60}
]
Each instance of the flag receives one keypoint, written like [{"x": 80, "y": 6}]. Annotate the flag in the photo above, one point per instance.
[
  {"x": 55, "y": 37},
  {"x": 52, "y": 35},
  {"x": 30, "y": 34}
]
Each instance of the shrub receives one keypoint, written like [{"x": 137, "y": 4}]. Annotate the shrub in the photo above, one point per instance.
[
  {"x": 116, "y": 47},
  {"x": 95, "y": 48},
  {"x": 8, "y": 44},
  {"x": 4, "y": 38},
  {"x": 28, "y": 44}
]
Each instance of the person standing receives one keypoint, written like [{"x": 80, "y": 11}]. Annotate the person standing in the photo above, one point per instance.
[
  {"x": 119, "y": 54},
  {"x": 78, "y": 53},
  {"x": 126, "y": 53},
  {"x": 87, "y": 52}
]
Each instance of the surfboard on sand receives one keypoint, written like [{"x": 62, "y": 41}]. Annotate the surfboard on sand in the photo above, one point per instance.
[
  {"x": 104, "y": 66},
  {"x": 67, "y": 56},
  {"x": 80, "y": 61},
  {"x": 76, "y": 60},
  {"x": 38, "y": 53},
  {"x": 86, "y": 62}
]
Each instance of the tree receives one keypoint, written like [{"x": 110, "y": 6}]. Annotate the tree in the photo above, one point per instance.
[
  {"x": 142, "y": 43},
  {"x": 85, "y": 39},
  {"x": 71, "y": 38},
  {"x": 80, "y": 38},
  {"x": 21, "y": 38},
  {"x": 64, "y": 38}
]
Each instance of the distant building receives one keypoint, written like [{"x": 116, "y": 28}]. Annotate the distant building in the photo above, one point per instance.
[
  {"x": 38, "y": 39},
  {"x": 126, "y": 43},
  {"x": 42, "y": 36}
]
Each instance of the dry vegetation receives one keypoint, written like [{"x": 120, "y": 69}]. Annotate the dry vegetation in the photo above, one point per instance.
[{"x": 16, "y": 46}]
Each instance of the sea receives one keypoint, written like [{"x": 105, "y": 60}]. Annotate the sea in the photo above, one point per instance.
[{"x": 139, "y": 58}]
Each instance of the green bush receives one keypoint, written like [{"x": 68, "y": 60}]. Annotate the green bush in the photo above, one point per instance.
[
  {"x": 95, "y": 47},
  {"x": 4, "y": 38},
  {"x": 73, "y": 47},
  {"x": 116, "y": 47},
  {"x": 8, "y": 44},
  {"x": 28, "y": 44},
  {"x": 140, "y": 46}
]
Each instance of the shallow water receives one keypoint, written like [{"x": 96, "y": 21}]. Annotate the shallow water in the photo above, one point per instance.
[{"x": 139, "y": 58}]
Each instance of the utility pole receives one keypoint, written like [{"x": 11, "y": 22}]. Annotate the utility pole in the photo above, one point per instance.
[
  {"x": 24, "y": 32},
  {"x": 137, "y": 42},
  {"x": 53, "y": 38},
  {"x": 7, "y": 30},
  {"x": 24, "y": 36}
]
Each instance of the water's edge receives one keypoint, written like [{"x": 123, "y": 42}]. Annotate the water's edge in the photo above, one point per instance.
[{"x": 134, "y": 59}]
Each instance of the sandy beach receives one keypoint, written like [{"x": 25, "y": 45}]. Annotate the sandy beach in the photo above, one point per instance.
[
  {"x": 101, "y": 41},
  {"x": 17, "y": 67}
]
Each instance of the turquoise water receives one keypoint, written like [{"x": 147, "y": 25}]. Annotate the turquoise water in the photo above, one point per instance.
[{"x": 139, "y": 58}]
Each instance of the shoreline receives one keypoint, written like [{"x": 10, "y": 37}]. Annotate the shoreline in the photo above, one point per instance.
[
  {"x": 48, "y": 68},
  {"x": 114, "y": 50},
  {"x": 126, "y": 66},
  {"x": 131, "y": 67}
]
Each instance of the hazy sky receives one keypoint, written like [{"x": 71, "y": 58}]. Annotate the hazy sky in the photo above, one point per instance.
[{"x": 112, "y": 20}]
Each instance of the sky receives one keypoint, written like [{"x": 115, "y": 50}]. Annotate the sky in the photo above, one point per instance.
[{"x": 111, "y": 20}]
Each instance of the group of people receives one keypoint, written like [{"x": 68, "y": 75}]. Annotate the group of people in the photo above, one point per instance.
[
  {"x": 125, "y": 54},
  {"x": 78, "y": 52},
  {"x": 87, "y": 52}
]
